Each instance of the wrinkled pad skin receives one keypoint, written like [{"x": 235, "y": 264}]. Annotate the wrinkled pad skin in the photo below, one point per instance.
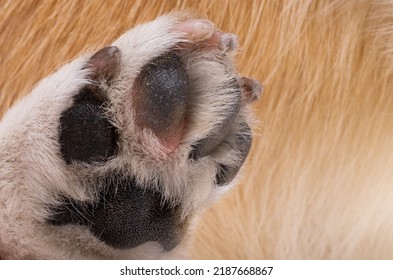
[
  {"x": 125, "y": 216},
  {"x": 160, "y": 96},
  {"x": 86, "y": 135}
]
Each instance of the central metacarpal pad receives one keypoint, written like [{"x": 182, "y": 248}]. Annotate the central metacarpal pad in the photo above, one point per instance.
[
  {"x": 160, "y": 96},
  {"x": 125, "y": 216}
]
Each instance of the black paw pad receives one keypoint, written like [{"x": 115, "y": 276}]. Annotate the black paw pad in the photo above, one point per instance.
[
  {"x": 86, "y": 135},
  {"x": 160, "y": 97},
  {"x": 125, "y": 216}
]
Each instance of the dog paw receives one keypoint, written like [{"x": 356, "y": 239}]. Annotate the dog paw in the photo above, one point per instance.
[{"x": 124, "y": 147}]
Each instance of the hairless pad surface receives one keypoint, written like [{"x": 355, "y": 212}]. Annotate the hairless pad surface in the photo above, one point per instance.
[
  {"x": 125, "y": 216},
  {"x": 160, "y": 97},
  {"x": 86, "y": 135}
]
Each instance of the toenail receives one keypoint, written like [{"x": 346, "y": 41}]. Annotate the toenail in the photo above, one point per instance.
[
  {"x": 203, "y": 30},
  {"x": 228, "y": 42}
]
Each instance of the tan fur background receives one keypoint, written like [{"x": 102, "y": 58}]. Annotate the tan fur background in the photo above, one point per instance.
[{"x": 319, "y": 181}]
